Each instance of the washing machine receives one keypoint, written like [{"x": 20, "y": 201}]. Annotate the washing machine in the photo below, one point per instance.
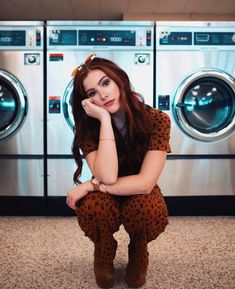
[
  {"x": 129, "y": 44},
  {"x": 21, "y": 108},
  {"x": 195, "y": 85}
]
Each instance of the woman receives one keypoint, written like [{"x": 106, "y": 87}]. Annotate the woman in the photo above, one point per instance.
[{"x": 125, "y": 144}]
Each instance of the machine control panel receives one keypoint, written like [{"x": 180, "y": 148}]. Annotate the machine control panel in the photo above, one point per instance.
[
  {"x": 29, "y": 38},
  {"x": 175, "y": 38},
  {"x": 195, "y": 38},
  {"x": 107, "y": 37},
  {"x": 214, "y": 38},
  {"x": 63, "y": 37},
  {"x": 12, "y": 38},
  {"x": 100, "y": 37}
]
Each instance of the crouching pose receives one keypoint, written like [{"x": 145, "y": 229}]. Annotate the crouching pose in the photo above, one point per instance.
[{"x": 125, "y": 143}]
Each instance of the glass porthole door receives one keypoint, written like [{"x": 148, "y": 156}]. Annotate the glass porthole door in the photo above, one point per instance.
[
  {"x": 13, "y": 105},
  {"x": 204, "y": 105}
]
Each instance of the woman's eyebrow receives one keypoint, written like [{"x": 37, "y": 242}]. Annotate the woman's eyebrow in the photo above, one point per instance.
[{"x": 97, "y": 83}]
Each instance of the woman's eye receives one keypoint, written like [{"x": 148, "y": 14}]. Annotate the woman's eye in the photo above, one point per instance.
[
  {"x": 91, "y": 94},
  {"x": 106, "y": 82}
]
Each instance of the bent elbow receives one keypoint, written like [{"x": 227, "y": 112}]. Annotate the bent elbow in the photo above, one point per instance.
[
  {"x": 109, "y": 180},
  {"x": 148, "y": 188},
  {"x": 147, "y": 191}
]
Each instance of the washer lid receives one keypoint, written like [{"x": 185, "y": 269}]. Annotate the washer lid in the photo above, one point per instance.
[
  {"x": 204, "y": 105},
  {"x": 13, "y": 105}
]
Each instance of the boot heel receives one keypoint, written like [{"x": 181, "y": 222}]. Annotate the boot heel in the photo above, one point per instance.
[
  {"x": 104, "y": 275},
  {"x": 103, "y": 264},
  {"x": 137, "y": 266}
]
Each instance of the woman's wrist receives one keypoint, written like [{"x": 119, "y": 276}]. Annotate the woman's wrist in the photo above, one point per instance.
[
  {"x": 98, "y": 185},
  {"x": 103, "y": 188},
  {"x": 88, "y": 186},
  {"x": 95, "y": 184}
]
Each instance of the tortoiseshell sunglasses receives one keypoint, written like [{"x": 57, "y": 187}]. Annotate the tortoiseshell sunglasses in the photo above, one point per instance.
[{"x": 88, "y": 60}]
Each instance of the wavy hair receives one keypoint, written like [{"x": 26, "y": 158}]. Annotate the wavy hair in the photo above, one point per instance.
[{"x": 132, "y": 149}]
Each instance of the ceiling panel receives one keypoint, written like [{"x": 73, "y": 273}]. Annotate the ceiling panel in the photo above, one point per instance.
[
  {"x": 28, "y": 6},
  {"x": 110, "y": 9},
  {"x": 113, "y": 10},
  {"x": 58, "y": 9},
  {"x": 141, "y": 6},
  {"x": 7, "y": 10},
  {"x": 224, "y": 7},
  {"x": 166, "y": 6},
  {"x": 193, "y": 6},
  {"x": 87, "y": 9}
]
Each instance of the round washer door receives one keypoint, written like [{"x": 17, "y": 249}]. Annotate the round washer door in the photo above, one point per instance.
[
  {"x": 13, "y": 105},
  {"x": 204, "y": 105},
  {"x": 67, "y": 104}
]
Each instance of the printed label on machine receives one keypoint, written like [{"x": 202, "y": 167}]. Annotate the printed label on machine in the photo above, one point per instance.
[
  {"x": 56, "y": 57},
  {"x": 54, "y": 104}
]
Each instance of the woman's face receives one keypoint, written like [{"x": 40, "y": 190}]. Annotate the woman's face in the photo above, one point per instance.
[{"x": 103, "y": 90}]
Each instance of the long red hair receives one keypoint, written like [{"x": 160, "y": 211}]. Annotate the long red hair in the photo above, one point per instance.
[{"x": 132, "y": 149}]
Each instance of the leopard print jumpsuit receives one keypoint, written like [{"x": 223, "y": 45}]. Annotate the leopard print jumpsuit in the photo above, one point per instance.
[{"x": 144, "y": 217}]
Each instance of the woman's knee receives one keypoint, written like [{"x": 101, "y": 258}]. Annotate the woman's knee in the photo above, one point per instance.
[
  {"x": 97, "y": 207},
  {"x": 145, "y": 214}
]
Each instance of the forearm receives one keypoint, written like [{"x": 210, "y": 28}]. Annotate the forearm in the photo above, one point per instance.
[
  {"x": 144, "y": 182},
  {"x": 130, "y": 185},
  {"x": 106, "y": 161},
  {"x": 78, "y": 193}
]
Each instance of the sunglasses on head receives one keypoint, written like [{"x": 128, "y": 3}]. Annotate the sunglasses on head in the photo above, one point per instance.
[{"x": 81, "y": 66}]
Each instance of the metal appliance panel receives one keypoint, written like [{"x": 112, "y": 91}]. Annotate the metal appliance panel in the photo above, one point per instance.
[
  {"x": 172, "y": 68},
  {"x": 21, "y": 56},
  {"x": 67, "y": 47},
  {"x": 60, "y": 172},
  {"x": 21, "y": 177},
  {"x": 29, "y": 139},
  {"x": 57, "y": 83},
  {"x": 198, "y": 177},
  {"x": 184, "y": 49}
]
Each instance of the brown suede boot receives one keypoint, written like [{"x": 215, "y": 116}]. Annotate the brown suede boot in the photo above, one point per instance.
[
  {"x": 103, "y": 265},
  {"x": 138, "y": 263}
]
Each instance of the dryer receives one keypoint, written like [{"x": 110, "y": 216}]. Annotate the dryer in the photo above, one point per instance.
[
  {"x": 129, "y": 44},
  {"x": 195, "y": 85},
  {"x": 21, "y": 108}
]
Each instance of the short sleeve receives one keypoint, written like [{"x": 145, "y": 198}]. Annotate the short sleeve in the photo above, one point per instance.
[
  {"x": 160, "y": 126},
  {"x": 88, "y": 146}
]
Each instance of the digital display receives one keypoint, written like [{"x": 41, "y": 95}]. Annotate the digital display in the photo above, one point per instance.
[
  {"x": 63, "y": 37},
  {"x": 107, "y": 37},
  {"x": 214, "y": 38},
  {"x": 12, "y": 38}
]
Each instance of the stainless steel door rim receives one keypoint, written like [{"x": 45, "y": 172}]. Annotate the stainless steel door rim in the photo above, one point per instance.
[
  {"x": 21, "y": 104},
  {"x": 224, "y": 127}
]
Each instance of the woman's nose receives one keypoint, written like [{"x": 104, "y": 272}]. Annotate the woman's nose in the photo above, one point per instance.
[{"x": 103, "y": 94}]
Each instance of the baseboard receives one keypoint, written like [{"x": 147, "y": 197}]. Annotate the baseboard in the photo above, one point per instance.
[
  {"x": 177, "y": 206},
  {"x": 23, "y": 206},
  {"x": 201, "y": 205}
]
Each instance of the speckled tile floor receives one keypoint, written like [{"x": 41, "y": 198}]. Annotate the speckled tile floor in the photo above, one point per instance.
[{"x": 53, "y": 253}]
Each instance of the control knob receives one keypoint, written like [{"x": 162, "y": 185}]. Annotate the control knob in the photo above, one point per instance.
[
  {"x": 141, "y": 59},
  {"x": 32, "y": 59}
]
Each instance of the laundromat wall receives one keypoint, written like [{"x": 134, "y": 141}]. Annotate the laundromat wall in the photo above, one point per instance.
[{"x": 189, "y": 73}]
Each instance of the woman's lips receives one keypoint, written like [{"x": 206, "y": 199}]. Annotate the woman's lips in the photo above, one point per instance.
[{"x": 109, "y": 103}]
